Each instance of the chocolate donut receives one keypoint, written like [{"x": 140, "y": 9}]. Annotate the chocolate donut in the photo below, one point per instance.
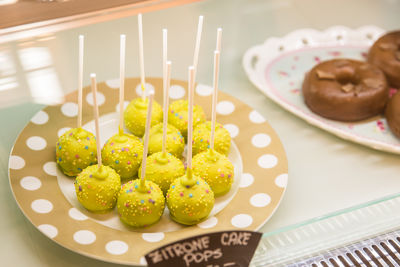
[
  {"x": 385, "y": 54},
  {"x": 345, "y": 90},
  {"x": 392, "y": 114}
]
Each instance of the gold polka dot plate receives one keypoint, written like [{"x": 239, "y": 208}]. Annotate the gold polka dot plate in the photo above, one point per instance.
[{"x": 47, "y": 197}]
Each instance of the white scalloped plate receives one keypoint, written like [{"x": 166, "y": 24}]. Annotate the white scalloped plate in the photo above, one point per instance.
[{"x": 277, "y": 69}]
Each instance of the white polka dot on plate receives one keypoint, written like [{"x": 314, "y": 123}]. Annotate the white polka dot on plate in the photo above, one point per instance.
[
  {"x": 69, "y": 109},
  {"x": 116, "y": 247},
  {"x": 176, "y": 92},
  {"x": 50, "y": 168},
  {"x": 242, "y": 220},
  {"x": 75, "y": 214},
  {"x": 16, "y": 162},
  {"x": 40, "y": 118},
  {"x": 261, "y": 140},
  {"x": 49, "y": 230},
  {"x": 281, "y": 180},
  {"x": 41, "y": 206},
  {"x": 225, "y": 107},
  {"x": 36, "y": 143},
  {"x": 260, "y": 200},
  {"x": 84, "y": 237},
  {"x": 246, "y": 180},
  {"x": 30, "y": 183},
  {"x": 204, "y": 90},
  {"x": 209, "y": 223},
  {"x": 256, "y": 117},
  {"x": 232, "y": 129},
  {"x": 63, "y": 131},
  {"x": 100, "y": 98},
  {"x": 143, "y": 261},
  {"x": 113, "y": 83},
  {"x": 153, "y": 237},
  {"x": 126, "y": 103},
  {"x": 267, "y": 161},
  {"x": 148, "y": 86}
]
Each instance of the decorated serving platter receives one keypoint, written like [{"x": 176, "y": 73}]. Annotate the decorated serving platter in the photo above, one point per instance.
[
  {"x": 277, "y": 68},
  {"x": 47, "y": 197}
]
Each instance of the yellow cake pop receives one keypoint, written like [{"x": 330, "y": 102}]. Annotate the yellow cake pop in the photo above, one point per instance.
[
  {"x": 163, "y": 169},
  {"x": 123, "y": 152},
  {"x": 140, "y": 207},
  {"x": 189, "y": 198},
  {"x": 135, "y": 115},
  {"x": 175, "y": 143},
  {"x": 202, "y": 138},
  {"x": 215, "y": 169},
  {"x": 97, "y": 186},
  {"x": 76, "y": 150},
  {"x": 178, "y": 115},
  {"x": 140, "y": 202}
]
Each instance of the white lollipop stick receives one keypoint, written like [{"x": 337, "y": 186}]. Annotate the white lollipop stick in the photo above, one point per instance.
[
  {"x": 146, "y": 139},
  {"x": 96, "y": 117},
  {"x": 80, "y": 80},
  {"x": 165, "y": 55},
  {"x": 197, "y": 46},
  {"x": 190, "y": 116},
  {"x": 141, "y": 56},
  {"x": 121, "y": 82},
  {"x": 219, "y": 36},
  {"x": 166, "y": 101},
  {"x": 215, "y": 96}
]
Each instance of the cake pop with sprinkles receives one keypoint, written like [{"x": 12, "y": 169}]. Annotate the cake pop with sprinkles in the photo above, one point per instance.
[
  {"x": 123, "y": 152},
  {"x": 141, "y": 203},
  {"x": 76, "y": 148},
  {"x": 135, "y": 112},
  {"x": 189, "y": 198},
  {"x": 174, "y": 142},
  {"x": 162, "y": 167},
  {"x": 202, "y": 133},
  {"x": 212, "y": 166},
  {"x": 178, "y": 110},
  {"x": 97, "y": 186}
]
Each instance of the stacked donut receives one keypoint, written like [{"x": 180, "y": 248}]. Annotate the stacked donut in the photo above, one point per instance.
[{"x": 352, "y": 90}]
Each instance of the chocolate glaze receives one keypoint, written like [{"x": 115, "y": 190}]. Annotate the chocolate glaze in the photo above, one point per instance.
[
  {"x": 385, "y": 54},
  {"x": 345, "y": 90},
  {"x": 392, "y": 114}
]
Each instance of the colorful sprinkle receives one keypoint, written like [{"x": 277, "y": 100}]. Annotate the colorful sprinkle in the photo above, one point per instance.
[
  {"x": 142, "y": 201},
  {"x": 117, "y": 161},
  {"x": 129, "y": 163},
  {"x": 181, "y": 194},
  {"x": 190, "y": 195},
  {"x": 80, "y": 188},
  {"x": 77, "y": 156},
  {"x": 86, "y": 147}
]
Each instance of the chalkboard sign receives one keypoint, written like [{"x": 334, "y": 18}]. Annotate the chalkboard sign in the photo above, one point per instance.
[{"x": 219, "y": 249}]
